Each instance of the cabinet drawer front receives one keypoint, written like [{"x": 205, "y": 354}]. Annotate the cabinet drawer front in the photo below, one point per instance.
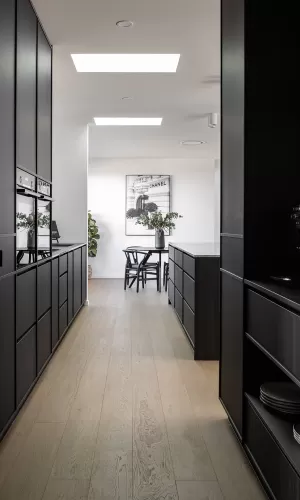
[
  {"x": 44, "y": 288},
  {"x": 25, "y": 302},
  {"x": 63, "y": 264},
  {"x": 26, "y": 363},
  {"x": 278, "y": 472},
  {"x": 63, "y": 319},
  {"x": 43, "y": 340},
  {"x": 172, "y": 270},
  {"x": 179, "y": 278},
  {"x": 179, "y": 304},
  {"x": 276, "y": 329},
  {"x": 171, "y": 291},
  {"x": 189, "y": 291},
  {"x": 54, "y": 302},
  {"x": 178, "y": 257},
  {"x": 189, "y": 265},
  {"x": 70, "y": 287},
  {"x": 171, "y": 252},
  {"x": 189, "y": 321},
  {"x": 63, "y": 289}
]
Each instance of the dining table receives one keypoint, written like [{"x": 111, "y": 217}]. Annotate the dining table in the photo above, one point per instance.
[{"x": 150, "y": 251}]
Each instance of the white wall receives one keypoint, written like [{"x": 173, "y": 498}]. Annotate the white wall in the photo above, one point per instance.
[
  {"x": 69, "y": 163},
  {"x": 217, "y": 197},
  {"x": 192, "y": 195}
]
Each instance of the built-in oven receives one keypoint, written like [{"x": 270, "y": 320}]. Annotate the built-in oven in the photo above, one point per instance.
[{"x": 33, "y": 219}]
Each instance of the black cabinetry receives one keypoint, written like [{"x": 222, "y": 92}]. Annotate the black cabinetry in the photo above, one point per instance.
[
  {"x": 44, "y": 72},
  {"x": 70, "y": 287},
  {"x": 77, "y": 279},
  {"x": 26, "y": 86},
  {"x": 7, "y": 349},
  {"x": 194, "y": 277},
  {"x": 26, "y": 302},
  {"x": 55, "y": 299},
  {"x": 25, "y": 363},
  {"x": 43, "y": 340},
  {"x": 44, "y": 288},
  {"x": 83, "y": 274},
  {"x": 7, "y": 118}
]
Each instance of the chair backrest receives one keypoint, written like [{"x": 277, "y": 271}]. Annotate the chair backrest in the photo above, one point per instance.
[{"x": 131, "y": 257}]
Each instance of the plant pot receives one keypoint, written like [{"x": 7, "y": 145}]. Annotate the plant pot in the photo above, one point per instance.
[
  {"x": 159, "y": 238},
  {"x": 90, "y": 271},
  {"x": 31, "y": 239}
]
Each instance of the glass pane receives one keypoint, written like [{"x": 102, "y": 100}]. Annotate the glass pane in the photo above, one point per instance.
[
  {"x": 44, "y": 233},
  {"x": 26, "y": 237}
]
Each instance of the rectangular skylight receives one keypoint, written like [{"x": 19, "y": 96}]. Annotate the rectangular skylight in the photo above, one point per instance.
[
  {"x": 126, "y": 63},
  {"x": 128, "y": 121}
]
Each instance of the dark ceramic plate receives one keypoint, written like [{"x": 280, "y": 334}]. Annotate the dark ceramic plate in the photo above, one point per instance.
[
  {"x": 282, "y": 404},
  {"x": 285, "y": 392}
]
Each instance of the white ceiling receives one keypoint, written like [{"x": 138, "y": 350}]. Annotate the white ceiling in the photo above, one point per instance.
[{"x": 183, "y": 99}]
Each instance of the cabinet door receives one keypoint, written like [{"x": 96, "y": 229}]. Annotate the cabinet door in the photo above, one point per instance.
[
  {"x": 83, "y": 275},
  {"x": 63, "y": 319},
  {"x": 7, "y": 120},
  {"x": 54, "y": 302},
  {"x": 63, "y": 289},
  {"x": 231, "y": 367},
  {"x": 43, "y": 340},
  {"x": 25, "y": 302},
  {"x": 7, "y": 253},
  {"x": 26, "y": 363},
  {"x": 77, "y": 279},
  {"x": 26, "y": 86},
  {"x": 70, "y": 287},
  {"x": 44, "y": 70},
  {"x": 44, "y": 288},
  {"x": 7, "y": 349}
]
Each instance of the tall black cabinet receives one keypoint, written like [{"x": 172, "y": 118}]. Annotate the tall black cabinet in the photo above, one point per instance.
[{"x": 259, "y": 240}]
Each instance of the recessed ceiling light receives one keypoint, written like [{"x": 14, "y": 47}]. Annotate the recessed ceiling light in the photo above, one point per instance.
[
  {"x": 192, "y": 143},
  {"x": 121, "y": 121},
  {"x": 126, "y": 63},
  {"x": 124, "y": 24},
  {"x": 127, "y": 98}
]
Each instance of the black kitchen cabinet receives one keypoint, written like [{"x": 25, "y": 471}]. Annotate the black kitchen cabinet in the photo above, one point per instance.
[
  {"x": 63, "y": 319},
  {"x": 44, "y": 288},
  {"x": 231, "y": 384},
  {"x": 7, "y": 117},
  {"x": 7, "y": 349},
  {"x": 63, "y": 289},
  {"x": 25, "y": 302},
  {"x": 26, "y": 86},
  {"x": 83, "y": 275},
  {"x": 44, "y": 71},
  {"x": 70, "y": 287},
  {"x": 55, "y": 308},
  {"x": 77, "y": 280},
  {"x": 43, "y": 340},
  {"x": 26, "y": 363},
  {"x": 7, "y": 254}
]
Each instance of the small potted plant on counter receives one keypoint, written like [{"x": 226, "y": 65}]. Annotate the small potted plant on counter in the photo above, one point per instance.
[
  {"x": 160, "y": 222},
  {"x": 93, "y": 237}
]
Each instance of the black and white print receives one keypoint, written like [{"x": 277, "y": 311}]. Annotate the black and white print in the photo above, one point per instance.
[{"x": 145, "y": 193}]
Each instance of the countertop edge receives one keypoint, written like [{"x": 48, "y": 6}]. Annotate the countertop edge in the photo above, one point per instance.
[{"x": 195, "y": 255}]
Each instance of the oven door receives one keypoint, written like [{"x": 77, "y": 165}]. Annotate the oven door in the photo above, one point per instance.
[
  {"x": 26, "y": 230},
  {"x": 43, "y": 228}
]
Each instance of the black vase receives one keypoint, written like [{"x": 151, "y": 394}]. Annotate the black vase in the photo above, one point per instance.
[{"x": 159, "y": 238}]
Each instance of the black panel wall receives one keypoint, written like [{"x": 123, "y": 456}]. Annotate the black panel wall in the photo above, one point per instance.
[
  {"x": 26, "y": 86},
  {"x": 7, "y": 117},
  {"x": 44, "y": 69}
]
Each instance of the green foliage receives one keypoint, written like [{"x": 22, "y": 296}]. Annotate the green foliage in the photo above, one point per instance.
[
  {"x": 157, "y": 220},
  {"x": 93, "y": 235},
  {"x": 150, "y": 207}
]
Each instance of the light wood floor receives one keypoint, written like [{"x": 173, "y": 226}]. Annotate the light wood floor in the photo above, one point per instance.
[{"x": 124, "y": 413}]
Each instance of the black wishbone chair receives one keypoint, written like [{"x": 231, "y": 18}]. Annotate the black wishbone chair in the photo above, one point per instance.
[{"x": 139, "y": 271}]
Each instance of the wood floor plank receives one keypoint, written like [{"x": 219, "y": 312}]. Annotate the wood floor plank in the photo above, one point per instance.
[
  {"x": 112, "y": 471},
  {"x": 75, "y": 455},
  {"x": 199, "y": 490},
  {"x": 29, "y": 475},
  {"x": 153, "y": 475},
  {"x": 190, "y": 457},
  {"x": 66, "y": 489}
]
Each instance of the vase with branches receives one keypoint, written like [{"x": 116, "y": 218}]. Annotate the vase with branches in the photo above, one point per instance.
[{"x": 160, "y": 223}]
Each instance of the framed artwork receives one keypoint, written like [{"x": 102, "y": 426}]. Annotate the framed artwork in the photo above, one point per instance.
[{"x": 145, "y": 193}]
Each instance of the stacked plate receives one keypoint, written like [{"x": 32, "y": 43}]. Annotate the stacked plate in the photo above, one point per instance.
[
  {"x": 283, "y": 397},
  {"x": 296, "y": 430}
]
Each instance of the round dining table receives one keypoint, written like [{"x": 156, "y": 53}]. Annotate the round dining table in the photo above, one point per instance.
[{"x": 151, "y": 251}]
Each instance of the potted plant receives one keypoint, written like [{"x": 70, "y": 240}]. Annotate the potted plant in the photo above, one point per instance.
[
  {"x": 160, "y": 222},
  {"x": 93, "y": 237}
]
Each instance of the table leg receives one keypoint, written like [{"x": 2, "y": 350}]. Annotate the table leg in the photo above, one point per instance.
[{"x": 159, "y": 272}]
